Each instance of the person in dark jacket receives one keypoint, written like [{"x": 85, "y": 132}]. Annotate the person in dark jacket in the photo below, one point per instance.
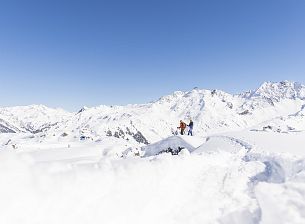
[{"x": 191, "y": 125}]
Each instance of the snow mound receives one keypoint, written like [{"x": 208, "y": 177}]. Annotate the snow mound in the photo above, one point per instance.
[
  {"x": 175, "y": 189},
  {"x": 223, "y": 143},
  {"x": 173, "y": 144},
  {"x": 282, "y": 203},
  {"x": 197, "y": 145}
]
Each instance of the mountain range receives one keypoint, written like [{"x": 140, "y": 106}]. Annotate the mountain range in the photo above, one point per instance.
[{"x": 274, "y": 106}]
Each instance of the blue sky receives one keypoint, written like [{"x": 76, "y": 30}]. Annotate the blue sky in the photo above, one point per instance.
[{"x": 73, "y": 53}]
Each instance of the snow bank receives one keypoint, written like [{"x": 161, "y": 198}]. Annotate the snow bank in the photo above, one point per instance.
[
  {"x": 175, "y": 143},
  {"x": 223, "y": 143},
  {"x": 167, "y": 189},
  {"x": 282, "y": 203}
]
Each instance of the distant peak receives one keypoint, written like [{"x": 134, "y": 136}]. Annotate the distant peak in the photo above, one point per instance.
[
  {"x": 84, "y": 108},
  {"x": 284, "y": 83},
  {"x": 280, "y": 90}
]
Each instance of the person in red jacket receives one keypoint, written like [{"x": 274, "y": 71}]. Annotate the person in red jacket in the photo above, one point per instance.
[{"x": 182, "y": 127}]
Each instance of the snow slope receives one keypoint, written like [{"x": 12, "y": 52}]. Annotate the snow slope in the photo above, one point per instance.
[
  {"x": 223, "y": 180},
  {"x": 163, "y": 189}
]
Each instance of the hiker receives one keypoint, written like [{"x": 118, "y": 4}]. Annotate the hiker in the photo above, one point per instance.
[
  {"x": 182, "y": 127},
  {"x": 191, "y": 125}
]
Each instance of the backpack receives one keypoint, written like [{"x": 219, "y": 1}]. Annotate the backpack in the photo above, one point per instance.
[{"x": 183, "y": 125}]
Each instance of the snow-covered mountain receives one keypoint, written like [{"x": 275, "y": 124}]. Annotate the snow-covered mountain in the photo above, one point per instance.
[
  {"x": 278, "y": 91},
  {"x": 213, "y": 111},
  {"x": 33, "y": 118},
  {"x": 6, "y": 127}
]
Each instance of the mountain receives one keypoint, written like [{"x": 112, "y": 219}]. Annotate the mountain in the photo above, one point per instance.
[
  {"x": 33, "y": 118},
  {"x": 6, "y": 127},
  {"x": 213, "y": 111},
  {"x": 280, "y": 90}
]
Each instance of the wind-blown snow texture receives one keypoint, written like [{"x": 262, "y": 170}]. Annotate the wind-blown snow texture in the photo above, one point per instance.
[{"x": 125, "y": 164}]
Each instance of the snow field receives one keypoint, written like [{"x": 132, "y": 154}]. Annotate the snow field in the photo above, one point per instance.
[{"x": 164, "y": 189}]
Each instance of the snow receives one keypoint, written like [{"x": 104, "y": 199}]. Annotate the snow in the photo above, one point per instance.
[
  {"x": 187, "y": 142},
  {"x": 282, "y": 203},
  {"x": 273, "y": 141},
  {"x": 111, "y": 164},
  {"x": 163, "y": 189}
]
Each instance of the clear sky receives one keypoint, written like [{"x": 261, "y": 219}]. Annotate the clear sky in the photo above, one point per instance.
[{"x": 70, "y": 53}]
